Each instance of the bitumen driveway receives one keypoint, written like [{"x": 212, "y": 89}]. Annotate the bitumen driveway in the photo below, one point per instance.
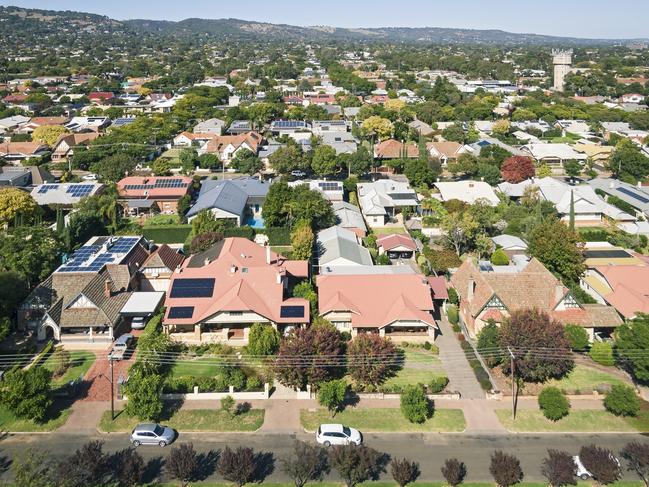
[{"x": 430, "y": 450}]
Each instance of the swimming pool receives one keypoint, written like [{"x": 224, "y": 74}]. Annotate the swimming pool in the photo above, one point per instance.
[{"x": 255, "y": 222}]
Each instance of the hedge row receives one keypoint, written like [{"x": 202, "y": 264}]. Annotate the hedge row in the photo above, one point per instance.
[
  {"x": 176, "y": 234},
  {"x": 478, "y": 370},
  {"x": 167, "y": 234}
]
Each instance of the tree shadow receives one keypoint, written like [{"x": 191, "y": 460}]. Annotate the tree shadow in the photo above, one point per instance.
[
  {"x": 243, "y": 407},
  {"x": 206, "y": 464},
  {"x": 171, "y": 407},
  {"x": 265, "y": 466},
  {"x": 152, "y": 470},
  {"x": 351, "y": 399},
  {"x": 5, "y": 463}
]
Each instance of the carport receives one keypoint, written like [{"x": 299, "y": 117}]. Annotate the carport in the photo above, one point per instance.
[{"x": 142, "y": 304}]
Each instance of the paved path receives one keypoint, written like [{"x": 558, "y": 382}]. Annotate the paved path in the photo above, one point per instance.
[
  {"x": 85, "y": 417},
  {"x": 460, "y": 375}
]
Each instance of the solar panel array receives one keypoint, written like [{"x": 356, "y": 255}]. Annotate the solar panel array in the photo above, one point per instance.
[
  {"x": 288, "y": 124},
  {"x": 80, "y": 190},
  {"x": 92, "y": 258},
  {"x": 330, "y": 186},
  {"x": 177, "y": 312},
  {"x": 291, "y": 312},
  {"x": 159, "y": 183},
  {"x": 606, "y": 254},
  {"x": 192, "y": 288},
  {"x": 46, "y": 187},
  {"x": 634, "y": 195}
]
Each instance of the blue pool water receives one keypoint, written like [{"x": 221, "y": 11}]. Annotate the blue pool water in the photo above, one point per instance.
[{"x": 255, "y": 222}]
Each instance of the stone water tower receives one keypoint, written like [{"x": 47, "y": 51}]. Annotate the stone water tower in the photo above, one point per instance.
[{"x": 562, "y": 61}]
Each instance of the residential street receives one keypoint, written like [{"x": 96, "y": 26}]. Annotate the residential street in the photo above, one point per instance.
[{"x": 429, "y": 450}]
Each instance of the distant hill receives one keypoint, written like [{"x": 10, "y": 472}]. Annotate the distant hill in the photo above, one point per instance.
[{"x": 58, "y": 22}]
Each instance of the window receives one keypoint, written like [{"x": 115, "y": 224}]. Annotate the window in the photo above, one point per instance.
[
  {"x": 570, "y": 302},
  {"x": 496, "y": 303},
  {"x": 236, "y": 313}
]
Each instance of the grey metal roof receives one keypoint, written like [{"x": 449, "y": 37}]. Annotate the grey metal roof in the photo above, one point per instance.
[
  {"x": 633, "y": 195},
  {"x": 222, "y": 194},
  {"x": 336, "y": 243},
  {"x": 348, "y": 215}
]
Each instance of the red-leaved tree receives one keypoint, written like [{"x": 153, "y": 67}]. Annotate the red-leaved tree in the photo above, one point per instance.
[{"x": 517, "y": 168}]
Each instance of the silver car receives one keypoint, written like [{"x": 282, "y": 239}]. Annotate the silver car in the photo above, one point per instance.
[{"x": 152, "y": 434}]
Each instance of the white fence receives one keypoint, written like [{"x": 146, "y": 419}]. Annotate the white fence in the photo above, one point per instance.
[{"x": 239, "y": 396}]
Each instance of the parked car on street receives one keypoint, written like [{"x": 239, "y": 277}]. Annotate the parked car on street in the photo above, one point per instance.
[
  {"x": 121, "y": 346},
  {"x": 338, "y": 434},
  {"x": 152, "y": 434}
]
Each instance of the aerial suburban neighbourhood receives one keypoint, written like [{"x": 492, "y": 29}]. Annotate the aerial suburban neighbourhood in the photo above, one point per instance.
[{"x": 328, "y": 245}]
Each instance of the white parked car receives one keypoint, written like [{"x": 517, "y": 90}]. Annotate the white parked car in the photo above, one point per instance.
[
  {"x": 90, "y": 177},
  {"x": 338, "y": 434},
  {"x": 584, "y": 474}
]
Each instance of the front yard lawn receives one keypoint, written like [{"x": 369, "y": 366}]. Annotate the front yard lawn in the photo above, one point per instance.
[
  {"x": 191, "y": 420},
  {"x": 585, "y": 379},
  {"x": 409, "y": 376},
  {"x": 80, "y": 363},
  {"x": 578, "y": 421},
  {"x": 9, "y": 422},
  {"x": 199, "y": 367},
  {"x": 385, "y": 419}
]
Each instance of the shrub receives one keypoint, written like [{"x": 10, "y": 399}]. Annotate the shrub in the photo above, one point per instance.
[
  {"x": 61, "y": 360},
  {"x": 602, "y": 353},
  {"x": 578, "y": 337},
  {"x": 453, "y": 471},
  {"x": 237, "y": 379},
  {"x": 453, "y": 315},
  {"x": 415, "y": 405},
  {"x": 278, "y": 235},
  {"x": 227, "y": 405},
  {"x": 553, "y": 403},
  {"x": 453, "y": 297},
  {"x": 499, "y": 257},
  {"x": 243, "y": 232},
  {"x": 489, "y": 344},
  {"x": 437, "y": 384},
  {"x": 622, "y": 400},
  {"x": 427, "y": 346},
  {"x": 167, "y": 233},
  {"x": 332, "y": 395},
  {"x": 253, "y": 383}
]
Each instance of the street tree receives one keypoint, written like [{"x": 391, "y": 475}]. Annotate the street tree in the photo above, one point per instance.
[
  {"x": 128, "y": 467},
  {"x": 30, "y": 470},
  {"x": 308, "y": 463},
  {"x": 245, "y": 161},
  {"x": 369, "y": 359},
  {"x": 525, "y": 332},
  {"x": 182, "y": 463},
  {"x": 237, "y": 466},
  {"x": 27, "y": 392},
  {"x": 622, "y": 400},
  {"x": 453, "y": 471},
  {"x": 553, "y": 403},
  {"x": 601, "y": 463},
  {"x": 404, "y": 471},
  {"x": 357, "y": 464},
  {"x": 559, "y": 469},
  {"x": 636, "y": 455},
  {"x": 505, "y": 469},
  {"x": 286, "y": 159},
  {"x": 89, "y": 465}
]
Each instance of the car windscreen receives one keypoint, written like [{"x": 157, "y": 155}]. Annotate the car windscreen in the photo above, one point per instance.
[
  {"x": 158, "y": 430},
  {"x": 347, "y": 431}
]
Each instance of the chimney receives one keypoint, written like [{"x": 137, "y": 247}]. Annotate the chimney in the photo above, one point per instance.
[
  {"x": 107, "y": 292},
  {"x": 268, "y": 254}
]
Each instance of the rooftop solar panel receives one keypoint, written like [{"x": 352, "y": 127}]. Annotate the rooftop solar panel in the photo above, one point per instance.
[
  {"x": 177, "y": 312},
  {"x": 635, "y": 195},
  {"x": 606, "y": 254},
  {"x": 192, "y": 288},
  {"x": 291, "y": 312}
]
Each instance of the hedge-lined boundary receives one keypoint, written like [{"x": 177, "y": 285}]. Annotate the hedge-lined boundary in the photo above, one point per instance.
[{"x": 178, "y": 234}]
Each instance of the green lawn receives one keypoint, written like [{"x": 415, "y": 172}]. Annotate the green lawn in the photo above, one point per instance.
[
  {"x": 385, "y": 419},
  {"x": 80, "y": 362},
  {"x": 427, "y": 366},
  {"x": 586, "y": 379},
  {"x": 199, "y": 367},
  {"x": 578, "y": 421},
  {"x": 192, "y": 420},
  {"x": 10, "y": 423},
  {"x": 388, "y": 230},
  {"x": 641, "y": 421}
]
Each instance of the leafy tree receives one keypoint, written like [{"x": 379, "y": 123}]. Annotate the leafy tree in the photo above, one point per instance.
[
  {"x": 210, "y": 161},
  {"x": 622, "y": 400},
  {"x": 404, "y": 471},
  {"x": 360, "y": 162},
  {"x": 499, "y": 257},
  {"x": 602, "y": 353},
  {"x": 128, "y": 467},
  {"x": 636, "y": 455},
  {"x": 182, "y": 463},
  {"x": 48, "y": 134},
  {"x": 206, "y": 222},
  {"x": 528, "y": 330},
  {"x": 143, "y": 390},
  {"x": 204, "y": 241},
  {"x": 302, "y": 239},
  {"x": 493, "y": 155},
  {"x": 572, "y": 168},
  {"x": 627, "y": 160},
  {"x": 559, "y": 469},
  {"x": 161, "y": 167},
  {"x": 5, "y": 328},
  {"x": 368, "y": 359},
  {"x": 553, "y": 403},
  {"x": 285, "y": 205},
  {"x": 517, "y": 168},
  {"x": 454, "y": 133},
  {"x": 489, "y": 344},
  {"x": 419, "y": 172},
  {"x": 601, "y": 463},
  {"x": 460, "y": 229},
  {"x": 559, "y": 249},
  {"x": 577, "y": 336},
  {"x": 13, "y": 290},
  {"x": 356, "y": 464},
  {"x": 114, "y": 167},
  {"x": 263, "y": 340},
  {"x": 26, "y": 392},
  {"x": 89, "y": 465},
  {"x": 453, "y": 471},
  {"x": 415, "y": 405},
  {"x": 331, "y": 395},
  {"x": 188, "y": 159},
  {"x": 489, "y": 174},
  {"x": 324, "y": 161},
  {"x": 286, "y": 159},
  {"x": 14, "y": 202},
  {"x": 544, "y": 171},
  {"x": 238, "y": 465},
  {"x": 246, "y": 161},
  {"x": 305, "y": 290},
  {"x": 83, "y": 226},
  {"x": 302, "y": 354},
  {"x": 29, "y": 470},
  {"x": 377, "y": 126},
  {"x": 307, "y": 464},
  {"x": 505, "y": 469},
  {"x": 631, "y": 337}
]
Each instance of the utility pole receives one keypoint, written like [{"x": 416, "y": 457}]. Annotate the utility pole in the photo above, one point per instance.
[
  {"x": 513, "y": 369},
  {"x": 112, "y": 388}
]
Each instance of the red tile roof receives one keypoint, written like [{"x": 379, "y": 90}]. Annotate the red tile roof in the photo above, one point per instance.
[
  {"x": 153, "y": 186},
  {"x": 630, "y": 285},
  {"x": 389, "y": 242},
  {"x": 438, "y": 286}
]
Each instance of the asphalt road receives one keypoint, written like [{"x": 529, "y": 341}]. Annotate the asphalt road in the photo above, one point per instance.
[{"x": 430, "y": 450}]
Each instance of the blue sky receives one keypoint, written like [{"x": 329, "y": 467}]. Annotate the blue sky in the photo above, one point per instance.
[{"x": 579, "y": 18}]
